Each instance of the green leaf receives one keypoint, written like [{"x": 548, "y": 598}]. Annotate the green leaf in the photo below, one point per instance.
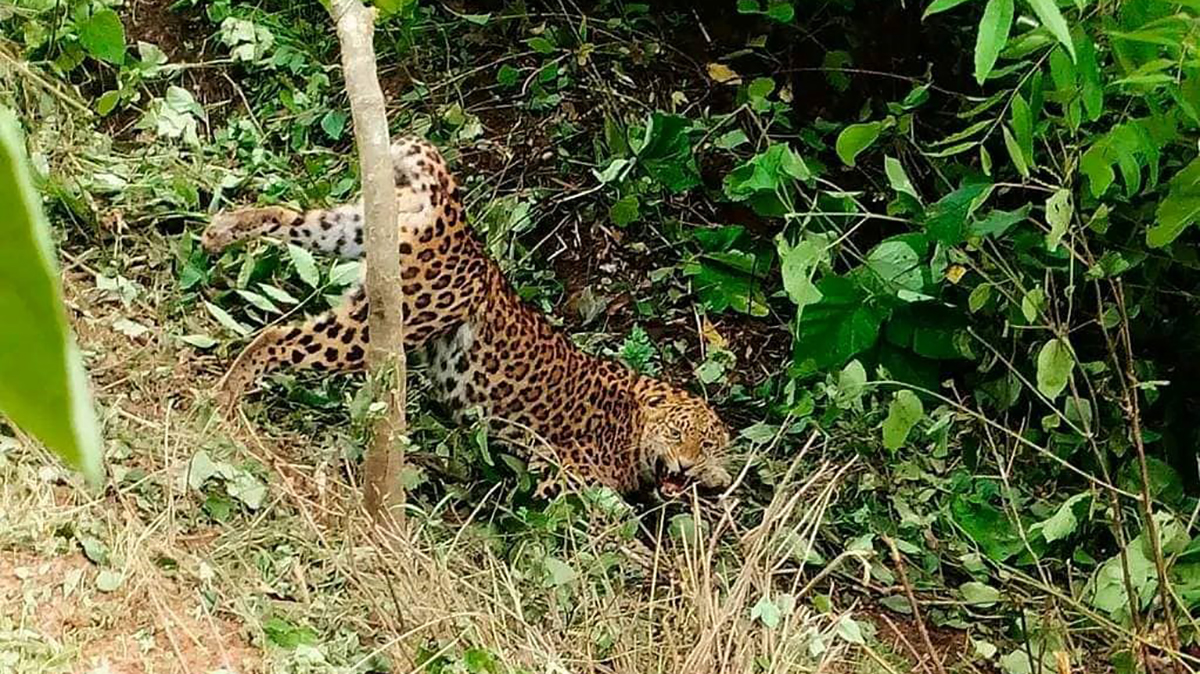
[
  {"x": 199, "y": 341},
  {"x": 225, "y": 319},
  {"x": 783, "y": 12},
  {"x": 259, "y": 301},
  {"x": 760, "y": 87},
  {"x": 1022, "y": 123},
  {"x": 731, "y": 139},
  {"x": 852, "y": 383},
  {"x": 507, "y": 75},
  {"x": 107, "y": 101},
  {"x": 838, "y": 327},
  {"x": 798, "y": 263},
  {"x": 896, "y": 269},
  {"x": 1047, "y": 12},
  {"x": 992, "y": 36},
  {"x": 666, "y": 152},
  {"x": 1014, "y": 152},
  {"x": 770, "y": 170},
  {"x": 946, "y": 220},
  {"x": 109, "y": 580},
  {"x": 1179, "y": 209},
  {"x": 283, "y": 633},
  {"x": 904, "y": 412},
  {"x": 939, "y": 6},
  {"x": 334, "y": 124},
  {"x": 1059, "y": 209},
  {"x": 1055, "y": 362},
  {"x": 990, "y": 528},
  {"x": 767, "y": 612},
  {"x": 43, "y": 386},
  {"x": 850, "y": 631},
  {"x": 1032, "y": 304},
  {"x": 898, "y": 178},
  {"x": 1063, "y": 522},
  {"x": 979, "y": 297},
  {"x": 103, "y": 36},
  {"x": 856, "y": 138},
  {"x": 541, "y": 45},
  {"x": 305, "y": 265},
  {"x": 998, "y": 222},
  {"x": 979, "y": 594},
  {"x": 1089, "y": 68},
  {"x": 247, "y": 489},
  {"x": 625, "y": 211}
]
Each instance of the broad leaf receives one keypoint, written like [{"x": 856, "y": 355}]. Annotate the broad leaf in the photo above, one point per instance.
[
  {"x": 103, "y": 36},
  {"x": 946, "y": 220},
  {"x": 43, "y": 387},
  {"x": 979, "y": 594},
  {"x": 798, "y": 263},
  {"x": 1054, "y": 365},
  {"x": 305, "y": 265},
  {"x": 833, "y": 330},
  {"x": 990, "y": 528},
  {"x": 1059, "y": 209},
  {"x": 939, "y": 6},
  {"x": 666, "y": 152},
  {"x": 856, "y": 138},
  {"x": 1179, "y": 209},
  {"x": 904, "y": 412}
]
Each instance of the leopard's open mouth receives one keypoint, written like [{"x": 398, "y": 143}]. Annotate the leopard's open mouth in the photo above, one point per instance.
[{"x": 671, "y": 483}]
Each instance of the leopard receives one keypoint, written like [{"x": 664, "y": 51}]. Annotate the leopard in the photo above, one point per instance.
[{"x": 489, "y": 351}]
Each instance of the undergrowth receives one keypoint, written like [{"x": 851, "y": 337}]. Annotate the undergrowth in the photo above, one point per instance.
[{"x": 934, "y": 264}]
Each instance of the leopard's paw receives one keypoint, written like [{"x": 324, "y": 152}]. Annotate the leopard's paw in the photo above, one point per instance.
[{"x": 229, "y": 227}]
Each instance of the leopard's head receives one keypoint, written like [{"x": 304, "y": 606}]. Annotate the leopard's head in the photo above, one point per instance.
[{"x": 683, "y": 442}]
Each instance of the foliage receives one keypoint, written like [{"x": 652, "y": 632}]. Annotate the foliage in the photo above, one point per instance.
[
  {"x": 43, "y": 387},
  {"x": 955, "y": 240}
]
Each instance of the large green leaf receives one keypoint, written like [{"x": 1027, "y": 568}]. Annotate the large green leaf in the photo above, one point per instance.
[
  {"x": 1179, "y": 209},
  {"x": 833, "y": 330},
  {"x": 992, "y": 36},
  {"x": 946, "y": 220},
  {"x": 990, "y": 528},
  {"x": 666, "y": 152},
  {"x": 103, "y": 36},
  {"x": 777, "y": 166},
  {"x": 43, "y": 388}
]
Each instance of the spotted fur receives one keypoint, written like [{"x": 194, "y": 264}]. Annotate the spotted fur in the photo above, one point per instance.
[{"x": 489, "y": 349}]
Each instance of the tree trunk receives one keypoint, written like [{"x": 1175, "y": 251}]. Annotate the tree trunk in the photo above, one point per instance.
[{"x": 386, "y": 363}]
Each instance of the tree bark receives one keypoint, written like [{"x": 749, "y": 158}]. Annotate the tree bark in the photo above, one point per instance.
[{"x": 386, "y": 361}]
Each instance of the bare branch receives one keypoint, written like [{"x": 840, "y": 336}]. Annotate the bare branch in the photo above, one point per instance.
[{"x": 386, "y": 360}]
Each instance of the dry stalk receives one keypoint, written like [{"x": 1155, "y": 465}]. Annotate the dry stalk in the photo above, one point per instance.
[{"x": 898, "y": 562}]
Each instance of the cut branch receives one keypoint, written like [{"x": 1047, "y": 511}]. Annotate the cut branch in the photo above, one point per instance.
[{"x": 386, "y": 362}]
